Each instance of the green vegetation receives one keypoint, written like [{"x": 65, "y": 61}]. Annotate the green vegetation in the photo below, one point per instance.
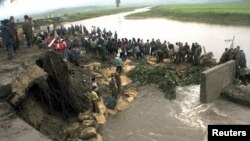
[
  {"x": 229, "y": 14},
  {"x": 243, "y": 76},
  {"x": 237, "y": 93},
  {"x": 81, "y": 13},
  {"x": 166, "y": 79},
  {"x": 95, "y": 13},
  {"x": 74, "y": 14}
]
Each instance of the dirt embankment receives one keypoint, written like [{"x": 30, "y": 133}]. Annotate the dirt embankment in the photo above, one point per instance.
[
  {"x": 53, "y": 96},
  {"x": 21, "y": 66}
]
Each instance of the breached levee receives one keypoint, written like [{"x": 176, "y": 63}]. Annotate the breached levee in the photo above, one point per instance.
[
  {"x": 48, "y": 94},
  {"x": 66, "y": 87},
  {"x": 31, "y": 75},
  {"x": 53, "y": 96}
]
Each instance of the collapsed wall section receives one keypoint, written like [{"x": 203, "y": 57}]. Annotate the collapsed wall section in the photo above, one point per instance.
[{"x": 214, "y": 80}]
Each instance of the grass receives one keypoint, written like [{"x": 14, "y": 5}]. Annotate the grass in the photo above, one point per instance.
[
  {"x": 78, "y": 13},
  {"x": 95, "y": 13},
  {"x": 229, "y": 14}
]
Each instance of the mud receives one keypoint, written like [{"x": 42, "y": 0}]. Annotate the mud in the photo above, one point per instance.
[
  {"x": 12, "y": 128},
  {"x": 46, "y": 105},
  {"x": 51, "y": 119},
  {"x": 49, "y": 93}
]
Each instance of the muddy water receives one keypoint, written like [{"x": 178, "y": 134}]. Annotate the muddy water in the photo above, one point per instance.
[
  {"x": 153, "y": 118},
  {"x": 211, "y": 36}
]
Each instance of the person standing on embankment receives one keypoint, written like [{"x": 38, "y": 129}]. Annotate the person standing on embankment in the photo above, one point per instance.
[
  {"x": 9, "y": 38},
  {"x": 27, "y": 30},
  {"x": 118, "y": 64},
  {"x": 94, "y": 99},
  {"x": 14, "y": 29},
  {"x": 94, "y": 84}
]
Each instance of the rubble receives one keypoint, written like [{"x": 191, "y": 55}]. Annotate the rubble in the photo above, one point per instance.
[
  {"x": 167, "y": 79},
  {"x": 238, "y": 93}
]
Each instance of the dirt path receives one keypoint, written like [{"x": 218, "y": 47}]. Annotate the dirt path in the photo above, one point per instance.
[
  {"x": 13, "y": 128},
  {"x": 10, "y": 69},
  {"x": 25, "y": 58}
]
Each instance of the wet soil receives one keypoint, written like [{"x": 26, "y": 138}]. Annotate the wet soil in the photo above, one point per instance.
[{"x": 53, "y": 122}]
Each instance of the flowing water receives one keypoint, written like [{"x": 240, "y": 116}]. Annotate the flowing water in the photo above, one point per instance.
[
  {"x": 153, "y": 118},
  {"x": 211, "y": 36}
]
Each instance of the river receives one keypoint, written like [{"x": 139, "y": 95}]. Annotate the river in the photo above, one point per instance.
[
  {"x": 153, "y": 118},
  {"x": 211, "y": 36}
]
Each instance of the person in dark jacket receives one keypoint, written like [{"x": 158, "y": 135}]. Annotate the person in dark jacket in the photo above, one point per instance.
[
  {"x": 2, "y": 28},
  {"x": 27, "y": 30},
  {"x": 75, "y": 55},
  {"x": 9, "y": 38},
  {"x": 225, "y": 56},
  {"x": 159, "y": 56}
]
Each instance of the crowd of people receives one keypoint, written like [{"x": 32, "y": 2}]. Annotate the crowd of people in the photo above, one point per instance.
[
  {"x": 234, "y": 54},
  {"x": 101, "y": 44},
  {"x": 73, "y": 40},
  {"x": 9, "y": 34}
]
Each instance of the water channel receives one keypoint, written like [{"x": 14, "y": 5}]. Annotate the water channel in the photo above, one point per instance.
[
  {"x": 153, "y": 118},
  {"x": 211, "y": 36}
]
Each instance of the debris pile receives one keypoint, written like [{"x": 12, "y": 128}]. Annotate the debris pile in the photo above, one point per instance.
[
  {"x": 238, "y": 93},
  {"x": 65, "y": 89},
  {"x": 243, "y": 76},
  {"x": 167, "y": 79}
]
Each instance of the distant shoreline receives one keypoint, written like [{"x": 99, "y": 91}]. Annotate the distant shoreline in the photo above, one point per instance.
[
  {"x": 76, "y": 16},
  {"x": 223, "y": 14},
  {"x": 96, "y": 13}
]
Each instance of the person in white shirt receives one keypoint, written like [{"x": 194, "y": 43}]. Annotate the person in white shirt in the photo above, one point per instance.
[
  {"x": 94, "y": 84},
  {"x": 176, "y": 53}
]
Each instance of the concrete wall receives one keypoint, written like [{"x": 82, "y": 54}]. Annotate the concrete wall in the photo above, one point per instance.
[{"x": 216, "y": 79}]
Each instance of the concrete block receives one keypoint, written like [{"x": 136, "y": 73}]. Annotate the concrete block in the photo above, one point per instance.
[{"x": 214, "y": 80}]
